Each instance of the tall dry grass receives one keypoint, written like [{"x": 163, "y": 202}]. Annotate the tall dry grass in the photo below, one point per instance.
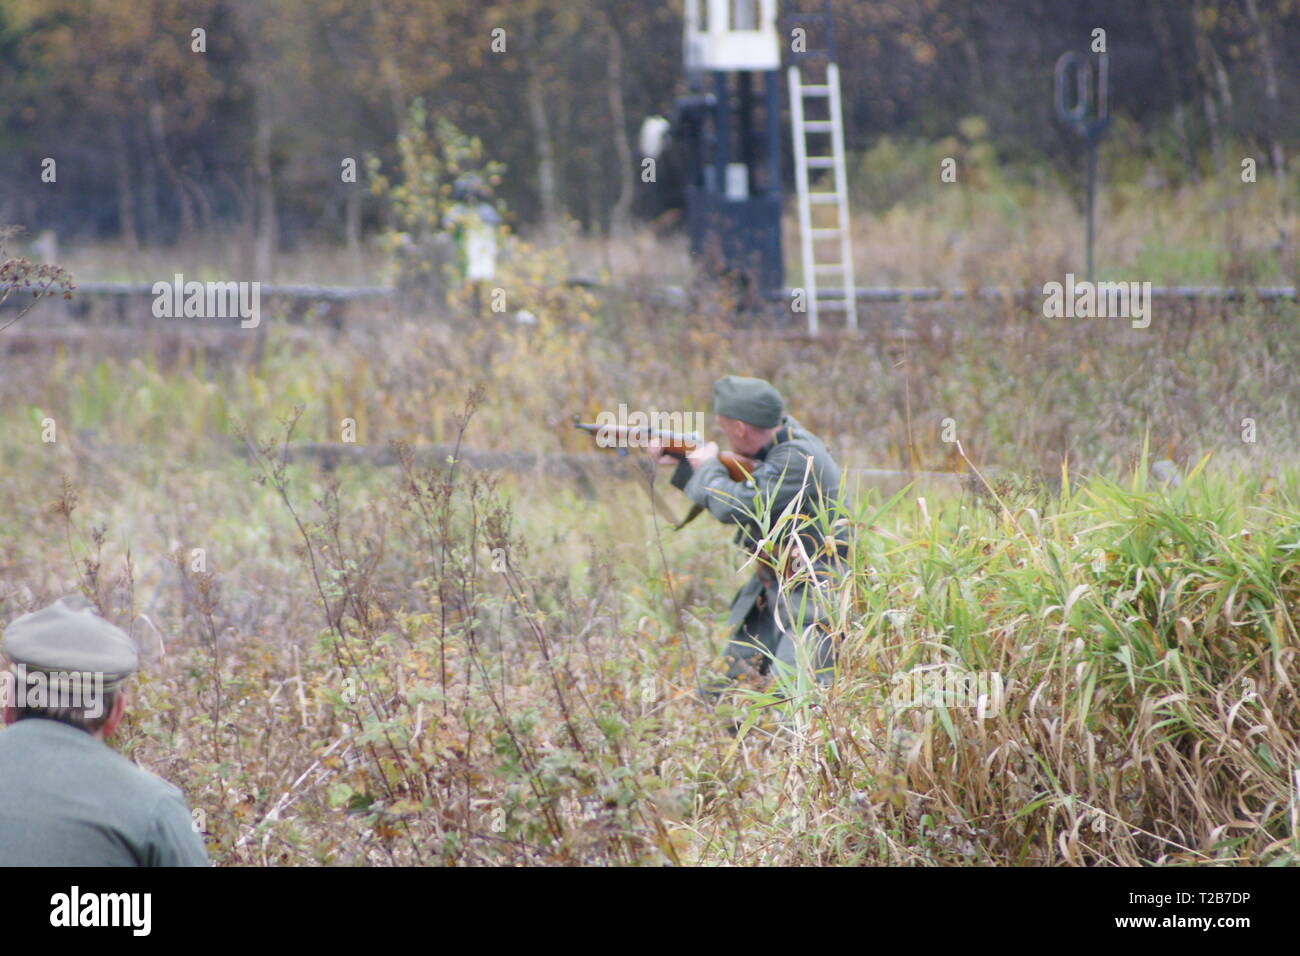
[{"x": 423, "y": 664}]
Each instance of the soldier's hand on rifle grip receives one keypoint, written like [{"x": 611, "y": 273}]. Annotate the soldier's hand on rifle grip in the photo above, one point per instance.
[
  {"x": 658, "y": 455},
  {"x": 702, "y": 454}
]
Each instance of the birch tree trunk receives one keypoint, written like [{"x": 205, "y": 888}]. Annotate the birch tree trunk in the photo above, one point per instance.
[
  {"x": 1204, "y": 69},
  {"x": 620, "y": 215},
  {"x": 545, "y": 152},
  {"x": 1273, "y": 116},
  {"x": 125, "y": 194},
  {"x": 1171, "y": 49},
  {"x": 388, "y": 63},
  {"x": 352, "y": 218},
  {"x": 265, "y": 242}
]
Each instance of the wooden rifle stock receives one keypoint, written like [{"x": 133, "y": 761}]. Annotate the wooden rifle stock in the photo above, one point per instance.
[
  {"x": 622, "y": 437},
  {"x": 738, "y": 467}
]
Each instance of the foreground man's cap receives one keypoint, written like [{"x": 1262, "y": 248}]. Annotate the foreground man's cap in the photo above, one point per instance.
[
  {"x": 749, "y": 400},
  {"x": 68, "y": 636}
]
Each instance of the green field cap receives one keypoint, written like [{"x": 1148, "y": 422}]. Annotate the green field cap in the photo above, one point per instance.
[
  {"x": 749, "y": 400},
  {"x": 67, "y": 637}
]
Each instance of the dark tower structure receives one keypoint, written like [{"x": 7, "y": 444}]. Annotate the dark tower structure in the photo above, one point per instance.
[{"x": 729, "y": 125}]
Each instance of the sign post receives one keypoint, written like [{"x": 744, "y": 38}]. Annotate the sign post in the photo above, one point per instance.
[{"x": 1089, "y": 117}]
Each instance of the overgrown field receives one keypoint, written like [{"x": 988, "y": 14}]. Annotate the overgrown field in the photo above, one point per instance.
[{"x": 424, "y": 664}]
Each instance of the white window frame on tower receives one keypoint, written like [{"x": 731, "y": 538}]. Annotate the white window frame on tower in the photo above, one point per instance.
[{"x": 716, "y": 45}]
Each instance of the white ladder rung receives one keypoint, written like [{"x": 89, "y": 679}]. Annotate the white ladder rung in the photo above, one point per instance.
[
  {"x": 818, "y": 126},
  {"x": 824, "y": 199},
  {"x": 825, "y": 233},
  {"x": 831, "y": 267},
  {"x": 817, "y": 89},
  {"x": 821, "y": 162}
]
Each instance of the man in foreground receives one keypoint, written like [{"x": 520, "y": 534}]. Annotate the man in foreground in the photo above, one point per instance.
[
  {"x": 66, "y": 798},
  {"x": 778, "y": 612}
]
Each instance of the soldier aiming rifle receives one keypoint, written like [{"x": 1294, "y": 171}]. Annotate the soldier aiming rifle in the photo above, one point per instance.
[{"x": 792, "y": 492}]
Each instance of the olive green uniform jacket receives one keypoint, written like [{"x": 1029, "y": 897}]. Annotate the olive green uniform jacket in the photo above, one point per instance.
[
  {"x": 68, "y": 799},
  {"x": 782, "y": 474}
]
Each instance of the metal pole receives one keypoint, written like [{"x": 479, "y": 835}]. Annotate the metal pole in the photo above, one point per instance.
[
  {"x": 1092, "y": 194},
  {"x": 1088, "y": 116},
  {"x": 773, "y": 117},
  {"x": 745, "y": 119},
  {"x": 722, "y": 117}
]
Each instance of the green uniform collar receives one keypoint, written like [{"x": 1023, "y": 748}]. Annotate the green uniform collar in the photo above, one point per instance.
[{"x": 783, "y": 434}]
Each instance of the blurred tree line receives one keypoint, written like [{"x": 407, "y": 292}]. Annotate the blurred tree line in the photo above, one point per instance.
[{"x": 157, "y": 143}]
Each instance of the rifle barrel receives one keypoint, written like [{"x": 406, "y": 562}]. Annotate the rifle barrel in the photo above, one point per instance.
[
  {"x": 627, "y": 431},
  {"x": 739, "y": 467}
]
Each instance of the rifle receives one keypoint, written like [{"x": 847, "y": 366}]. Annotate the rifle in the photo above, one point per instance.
[{"x": 739, "y": 467}]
